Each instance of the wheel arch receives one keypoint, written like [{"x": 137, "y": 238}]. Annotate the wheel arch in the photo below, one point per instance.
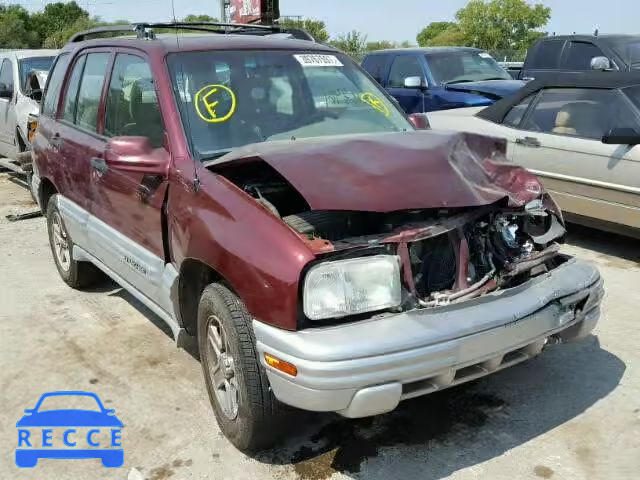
[
  {"x": 193, "y": 278},
  {"x": 46, "y": 190}
]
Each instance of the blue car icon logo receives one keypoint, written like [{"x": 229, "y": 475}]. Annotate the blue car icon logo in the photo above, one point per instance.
[{"x": 102, "y": 422}]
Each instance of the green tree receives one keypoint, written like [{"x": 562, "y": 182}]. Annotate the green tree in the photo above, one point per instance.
[
  {"x": 433, "y": 30},
  {"x": 16, "y": 30},
  {"x": 380, "y": 45},
  {"x": 353, "y": 43},
  {"x": 502, "y": 24},
  {"x": 60, "y": 37},
  {"x": 199, "y": 18},
  {"x": 56, "y": 18},
  {"x": 317, "y": 28}
]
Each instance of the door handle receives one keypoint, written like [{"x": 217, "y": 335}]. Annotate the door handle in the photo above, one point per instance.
[
  {"x": 529, "y": 142},
  {"x": 99, "y": 165},
  {"x": 528, "y": 79}
]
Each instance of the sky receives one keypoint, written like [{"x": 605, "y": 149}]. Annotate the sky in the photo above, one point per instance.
[{"x": 379, "y": 19}]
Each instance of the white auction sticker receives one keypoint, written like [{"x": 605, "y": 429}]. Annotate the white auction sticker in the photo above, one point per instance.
[
  {"x": 314, "y": 60},
  {"x": 484, "y": 55}
]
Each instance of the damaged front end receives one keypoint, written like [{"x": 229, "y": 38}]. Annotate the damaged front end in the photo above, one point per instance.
[
  {"x": 443, "y": 256},
  {"x": 442, "y": 219}
]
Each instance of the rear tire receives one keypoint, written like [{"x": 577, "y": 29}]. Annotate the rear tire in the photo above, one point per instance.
[
  {"x": 232, "y": 370},
  {"x": 74, "y": 273}
]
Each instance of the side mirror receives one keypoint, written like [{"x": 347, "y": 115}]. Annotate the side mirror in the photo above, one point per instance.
[
  {"x": 136, "y": 154},
  {"x": 109, "y": 411},
  {"x": 414, "y": 82},
  {"x": 622, "y": 136},
  {"x": 35, "y": 95},
  {"x": 5, "y": 91},
  {"x": 600, "y": 63},
  {"x": 420, "y": 121},
  {"x": 28, "y": 411}
]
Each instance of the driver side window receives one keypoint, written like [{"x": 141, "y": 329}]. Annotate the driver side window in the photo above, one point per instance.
[
  {"x": 404, "y": 66},
  {"x": 6, "y": 75},
  {"x": 132, "y": 105}
]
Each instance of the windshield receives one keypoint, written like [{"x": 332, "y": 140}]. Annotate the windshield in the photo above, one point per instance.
[
  {"x": 36, "y": 63},
  {"x": 464, "y": 66},
  {"x": 230, "y": 99},
  {"x": 630, "y": 52}
]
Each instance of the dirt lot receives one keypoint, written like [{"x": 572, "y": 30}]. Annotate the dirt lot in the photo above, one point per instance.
[{"x": 573, "y": 413}]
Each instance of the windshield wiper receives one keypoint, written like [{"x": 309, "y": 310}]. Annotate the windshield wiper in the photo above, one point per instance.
[
  {"x": 210, "y": 157},
  {"x": 495, "y": 78},
  {"x": 464, "y": 80}
]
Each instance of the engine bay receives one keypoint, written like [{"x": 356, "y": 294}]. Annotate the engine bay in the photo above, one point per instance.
[{"x": 447, "y": 255}]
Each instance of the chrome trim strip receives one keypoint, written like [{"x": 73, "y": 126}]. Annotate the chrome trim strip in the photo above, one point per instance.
[{"x": 586, "y": 181}]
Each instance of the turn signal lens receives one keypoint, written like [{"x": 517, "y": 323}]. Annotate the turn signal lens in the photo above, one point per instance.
[{"x": 281, "y": 365}]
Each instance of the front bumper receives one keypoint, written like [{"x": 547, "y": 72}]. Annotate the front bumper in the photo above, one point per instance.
[{"x": 366, "y": 368}]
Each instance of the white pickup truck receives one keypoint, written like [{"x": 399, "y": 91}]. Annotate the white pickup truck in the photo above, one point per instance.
[{"x": 23, "y": 74}]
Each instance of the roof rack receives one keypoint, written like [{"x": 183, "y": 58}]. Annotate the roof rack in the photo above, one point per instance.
[{"x": 145, "y": 30}]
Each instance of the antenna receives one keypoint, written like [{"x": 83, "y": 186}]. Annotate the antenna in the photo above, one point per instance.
[{"x": 196, "y": 180}]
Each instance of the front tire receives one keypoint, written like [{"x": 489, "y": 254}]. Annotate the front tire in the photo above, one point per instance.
[
  {"x": 247, "y": 411},
  {"x": 74, "y": 273}
]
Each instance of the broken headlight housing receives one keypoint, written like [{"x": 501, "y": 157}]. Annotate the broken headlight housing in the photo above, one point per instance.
[{"x": 349, "y": 287}]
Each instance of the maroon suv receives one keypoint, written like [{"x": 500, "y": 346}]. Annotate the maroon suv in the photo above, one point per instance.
[{"x": 264, "y": 195}]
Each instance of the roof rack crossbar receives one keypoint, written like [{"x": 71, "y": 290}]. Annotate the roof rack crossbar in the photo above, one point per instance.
[{"x": 144, "y": 29}]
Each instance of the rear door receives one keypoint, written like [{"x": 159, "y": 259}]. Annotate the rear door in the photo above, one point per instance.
[
  {"x": 561, "y": 141},
  {"x": 126, "y": 222},
  {"x": 77, "y": 138},
  {"x": 404, "y": 66}
]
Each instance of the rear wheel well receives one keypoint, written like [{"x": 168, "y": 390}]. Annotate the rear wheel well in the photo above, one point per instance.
[
  {"x": 194, "y": 278},
  {"x": 46, "y": 190}
]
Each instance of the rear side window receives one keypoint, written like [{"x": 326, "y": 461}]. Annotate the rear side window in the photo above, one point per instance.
[
  {"x": 375, "y": 66},
  {"x": 71, "y": 99},
  {"x": 546, "y": 55},
  {"x": 91, "y": 90},
  {"x": 132, "y": 105},
  {"x": 580, "y": 55},
  {"x": 404, "y": 66},
  {"x": 52, "y": 92},
  {"x": 514, "y": 117}
]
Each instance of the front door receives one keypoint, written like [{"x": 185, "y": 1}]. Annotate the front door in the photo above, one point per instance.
[
  {"x": 7, "y": 109},
  {"x": 126, "y": 226},
  {"x": 561, "y": 141},
  {"x": 410, "y": 99}
]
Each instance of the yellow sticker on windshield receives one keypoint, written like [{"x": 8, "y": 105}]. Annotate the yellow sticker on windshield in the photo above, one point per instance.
[
  {"x": 215, "y": 103},
  {"x": 376, "y": 102}
]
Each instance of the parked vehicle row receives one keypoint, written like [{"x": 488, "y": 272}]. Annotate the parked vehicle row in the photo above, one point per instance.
[{"x": 263, "y": 195}]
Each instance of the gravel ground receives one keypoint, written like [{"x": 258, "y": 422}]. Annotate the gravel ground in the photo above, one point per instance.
[{"x": 572, "y": 413}]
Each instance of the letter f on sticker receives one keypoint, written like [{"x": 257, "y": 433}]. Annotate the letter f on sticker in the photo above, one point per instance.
[{"x": 23, "y": 436}]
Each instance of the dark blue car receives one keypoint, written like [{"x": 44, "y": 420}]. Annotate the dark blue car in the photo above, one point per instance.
[
  {"x": 440, "y": 78},
  {"x": 27, "y": 455}
]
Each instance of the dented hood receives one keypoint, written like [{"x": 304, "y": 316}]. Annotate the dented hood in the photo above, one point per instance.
[{"x": 394, "y": 171}]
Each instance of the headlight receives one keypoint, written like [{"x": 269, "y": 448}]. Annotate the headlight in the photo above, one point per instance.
[{"x": 348, "y": 287}]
